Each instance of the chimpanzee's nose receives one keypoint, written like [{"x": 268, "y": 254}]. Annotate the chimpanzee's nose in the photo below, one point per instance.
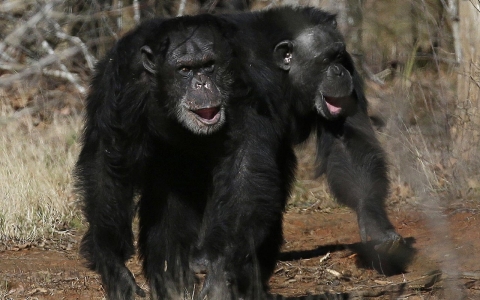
[{"x": 336, "y": 70}]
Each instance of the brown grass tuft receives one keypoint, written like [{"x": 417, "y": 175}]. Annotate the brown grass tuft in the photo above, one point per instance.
[{"x": 35, "y": 177}]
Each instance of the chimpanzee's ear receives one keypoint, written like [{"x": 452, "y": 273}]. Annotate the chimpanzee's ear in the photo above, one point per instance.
[
  {"x": 148, "y": 59},
  {"x": 282, "y": 54}
]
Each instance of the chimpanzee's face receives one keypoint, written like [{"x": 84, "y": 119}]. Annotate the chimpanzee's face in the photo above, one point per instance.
[
  {"x": 191, "y": 69},
  {"x": 319, "y": 64}
]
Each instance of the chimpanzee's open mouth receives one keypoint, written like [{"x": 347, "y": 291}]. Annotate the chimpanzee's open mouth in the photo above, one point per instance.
[
  {"x": 209, "y": 115},
  {"x": 334, "y": 105}
]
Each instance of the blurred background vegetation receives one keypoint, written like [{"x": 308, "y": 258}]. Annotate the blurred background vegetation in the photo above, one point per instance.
[{"x": 420, "y": 60}]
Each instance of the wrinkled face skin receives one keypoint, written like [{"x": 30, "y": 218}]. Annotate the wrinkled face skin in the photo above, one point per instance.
[
  {"x": 319, "y": 67},
  {"x": 192, "y": 71}
]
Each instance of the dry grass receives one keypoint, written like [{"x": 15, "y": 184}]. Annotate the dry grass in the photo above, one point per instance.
[{"x": 35, "y": 177}]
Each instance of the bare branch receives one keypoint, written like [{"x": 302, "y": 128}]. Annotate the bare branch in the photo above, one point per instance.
[
  {"x": 373, "y": 77},
  {"x": 64, "y": 69},
  {"x": 64, "y": 75},
  {"x": 476, "y": 5},
  {"x": 136, "y": 12},
  {"x": 120, "y": 15},
  {"x": 15, "y": 37},
  {"x": 13, "y": 6},
  {"x": 38, "y": 66},
  {"x": 452, "y": 9},
  {"x": 15, "y": 67},
  {"x": 181, "y": 8},
  {"x": 87, "y": 18},
  {"x": 78, "y": 42}
]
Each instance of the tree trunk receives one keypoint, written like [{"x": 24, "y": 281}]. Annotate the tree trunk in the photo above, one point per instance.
[
  {"x": 466, "y": 130},
  {"x": 353, "y": 36}
]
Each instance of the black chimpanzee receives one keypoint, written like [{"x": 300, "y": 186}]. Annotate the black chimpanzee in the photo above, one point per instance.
[
  {"x": 348, "y": 151},
  {"x": 294, "y": 57},
  {"x": 155, "y": 126}
]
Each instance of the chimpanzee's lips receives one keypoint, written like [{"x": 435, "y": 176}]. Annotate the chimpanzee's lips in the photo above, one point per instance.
[
  {"x": 209, "y": 115},
  {"x": 333, "y": 105}
]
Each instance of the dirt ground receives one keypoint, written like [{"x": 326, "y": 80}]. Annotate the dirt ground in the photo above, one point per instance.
[{"x": 321, "y": 255}]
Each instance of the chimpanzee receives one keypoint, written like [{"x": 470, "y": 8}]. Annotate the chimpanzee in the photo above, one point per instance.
[
  {"x": 155, "y": 126},
  {"x": 294, "y": 57},
  {"x": 348, "y": 151}
]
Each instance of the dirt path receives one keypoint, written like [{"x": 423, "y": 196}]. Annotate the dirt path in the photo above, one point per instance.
[{"x": 321, "y": 254}]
